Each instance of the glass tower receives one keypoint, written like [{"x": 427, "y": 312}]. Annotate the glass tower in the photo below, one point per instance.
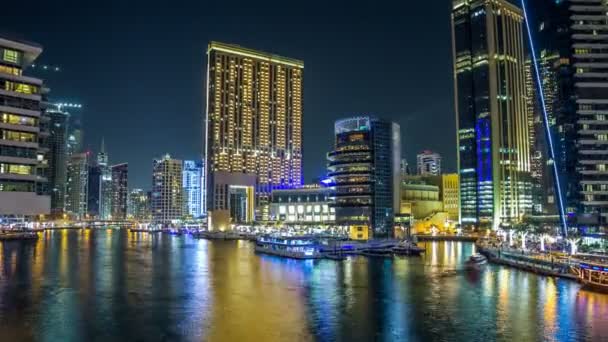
[
  {"x": 364, "y": 169},
  {"x": 194, "y": 188},
  {"x": 254, "y": 118},
  {"x": 493, "y": 140}
]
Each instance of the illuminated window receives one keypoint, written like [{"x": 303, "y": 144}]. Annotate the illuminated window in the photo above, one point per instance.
[
  {"x": 10, "y": 70},
  {"x": 16, "y": 169},
  {"x": 18, "y": 120},
  {"x": 11, "y": 56},
  {"x": 18, "y": 136}
]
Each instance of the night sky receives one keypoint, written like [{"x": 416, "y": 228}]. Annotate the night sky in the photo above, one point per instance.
[{"x": 138, "y": 69}]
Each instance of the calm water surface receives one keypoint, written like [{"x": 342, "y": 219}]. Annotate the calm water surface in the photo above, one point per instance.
[{"x": 109, "y": 285}]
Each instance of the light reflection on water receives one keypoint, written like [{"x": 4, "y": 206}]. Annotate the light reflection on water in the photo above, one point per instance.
[{"x": 105, "y": 284}]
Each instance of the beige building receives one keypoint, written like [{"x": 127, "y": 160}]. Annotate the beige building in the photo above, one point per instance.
[
  {"x": 450, "y": 189},
  {"x": 254, "y": 118},
  {"x": 231, "y": 200},
  {"x": 167, "y": 190}
]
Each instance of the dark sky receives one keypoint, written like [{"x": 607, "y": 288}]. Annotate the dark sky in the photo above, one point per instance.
[{"x": 137, "y": 67}]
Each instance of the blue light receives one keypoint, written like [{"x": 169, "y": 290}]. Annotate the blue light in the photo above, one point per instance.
[{"x": 546, "y": 122}]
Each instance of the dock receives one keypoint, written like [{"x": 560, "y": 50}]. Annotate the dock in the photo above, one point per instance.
[{"x": 529, "y": 263}]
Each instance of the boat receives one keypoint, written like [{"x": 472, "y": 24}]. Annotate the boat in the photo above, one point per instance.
[
  {"x": 288, "y": 247},
  {"x": 476, "y": 260},
  {"x": 378, "y": 252},
  {"x": 216, "y": 235},
  {"x": 18, "y": 235},
  {"x": 407, "y": 248},
  {"x": 593, "y": 275}
]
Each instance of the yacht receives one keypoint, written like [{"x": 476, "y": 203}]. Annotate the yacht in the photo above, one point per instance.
[
  {"x": 288, "y": 247},
  {"x": 476, "y": 260}
]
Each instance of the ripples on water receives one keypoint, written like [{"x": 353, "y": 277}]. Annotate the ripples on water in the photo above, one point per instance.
[{"x": 114, "y": 285}]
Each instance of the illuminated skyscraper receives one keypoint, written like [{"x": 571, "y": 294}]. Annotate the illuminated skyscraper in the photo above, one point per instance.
[
  {"x": 489, "y": 84},
  {"x": 254, "y": 118},
  {"x": 428, "y": 163},
  {"x": 57, "y": 157},
  {"x": 22, "y": 189},
  {"x": 194, "y": 188},
  {"x": 76, "y": 185},
  {"x": 167, "y": 190},
  {"x": 589, "y": 20},
  {"x": 120, "y": 176},
  {"x": 139, "y": 205},
  {"x": 364, "y": 169}
]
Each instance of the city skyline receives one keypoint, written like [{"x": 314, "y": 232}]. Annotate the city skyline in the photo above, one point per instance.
[{"x": 405, "y": 96}]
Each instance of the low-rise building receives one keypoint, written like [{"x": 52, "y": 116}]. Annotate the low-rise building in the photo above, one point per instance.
[{"x": 306, "y": 205}]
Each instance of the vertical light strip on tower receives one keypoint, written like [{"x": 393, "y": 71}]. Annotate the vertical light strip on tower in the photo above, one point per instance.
[{"x": 560, "y": 201}]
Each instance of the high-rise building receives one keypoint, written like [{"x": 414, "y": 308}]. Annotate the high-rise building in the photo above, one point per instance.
[
  {"x": 489, "y": 85},
  {"x": 589, "y": 19},
  {"x": 139, "y": 206},
  {"x": 77, "y": 185},
  {"x": 543, "y": 190},
  {"x": 167, "y": 190},
  {"x": 254, "y": 118},
  {"x": 100, "y": 186},
  {"x": 120, "y": 176},
  {"x": 194, "y": 188},
  {"x": 428, "y": 163},
  {"x": 57, "y": 158},
  {"x": 364, "y": 169},
  {"x": 22, "y": 189},
  {"x": 75, "y": 130}
]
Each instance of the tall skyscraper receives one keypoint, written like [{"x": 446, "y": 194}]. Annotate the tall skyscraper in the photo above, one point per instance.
[
  {"x": 57, "y": 158},
  {"x": 254, "y": 118},
  {"x": 194, "y": 188},
  {"x": 105, "y": 184},
  {"x": 489, "y": 84},
  {"x": 77, "y": 185},
  {"x": 22, "y": 190},
  {"x": 428, "y": 163},
  {"x": 364, "y": 169},
  {"x": 167, "y": 190},
  {"x": 139, "y": 206},
  {"x": 589, "y": 19},
  {"x": 120, "y": 176}
]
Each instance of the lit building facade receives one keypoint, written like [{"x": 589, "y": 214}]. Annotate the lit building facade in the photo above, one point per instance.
[
  {"x": 589, "y": 21},
  {"x": 450, "y": 189},
  {"x": 307, "y": 205},
  {"x": 138, "y": 206},
  {"x": 167, "y": 190},
  {"x": 428, "y": 163},
  {"x": 489, "y": 85},
  {"x": 364, "y": 170},
  {"x": 22, "y": 188},
  {"x": 232, "y": 199},
  {"x": 194, "y": 188},
  {"x": 120, "y": 188},
  {"x": 254, "y": 118},
  {"x": 77, "y": 185},
  {"x": 100, "y": 187},
  {"x": 57, "y": 158}
]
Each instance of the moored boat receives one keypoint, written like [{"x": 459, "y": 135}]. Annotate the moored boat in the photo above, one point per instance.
[
  {"x": 593, "y": 275},
  {"x": 288, "y": 247},
  {"x": 407, "y": 248},
  {"x": 18, "y": 235}
]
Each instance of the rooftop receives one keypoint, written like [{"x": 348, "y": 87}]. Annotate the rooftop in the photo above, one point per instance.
[{"x": 246, "y": 52}]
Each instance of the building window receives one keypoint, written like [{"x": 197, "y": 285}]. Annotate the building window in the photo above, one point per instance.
[
  {"x": 10, "y": 70},
  {"x": 11, "y": 56}
]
